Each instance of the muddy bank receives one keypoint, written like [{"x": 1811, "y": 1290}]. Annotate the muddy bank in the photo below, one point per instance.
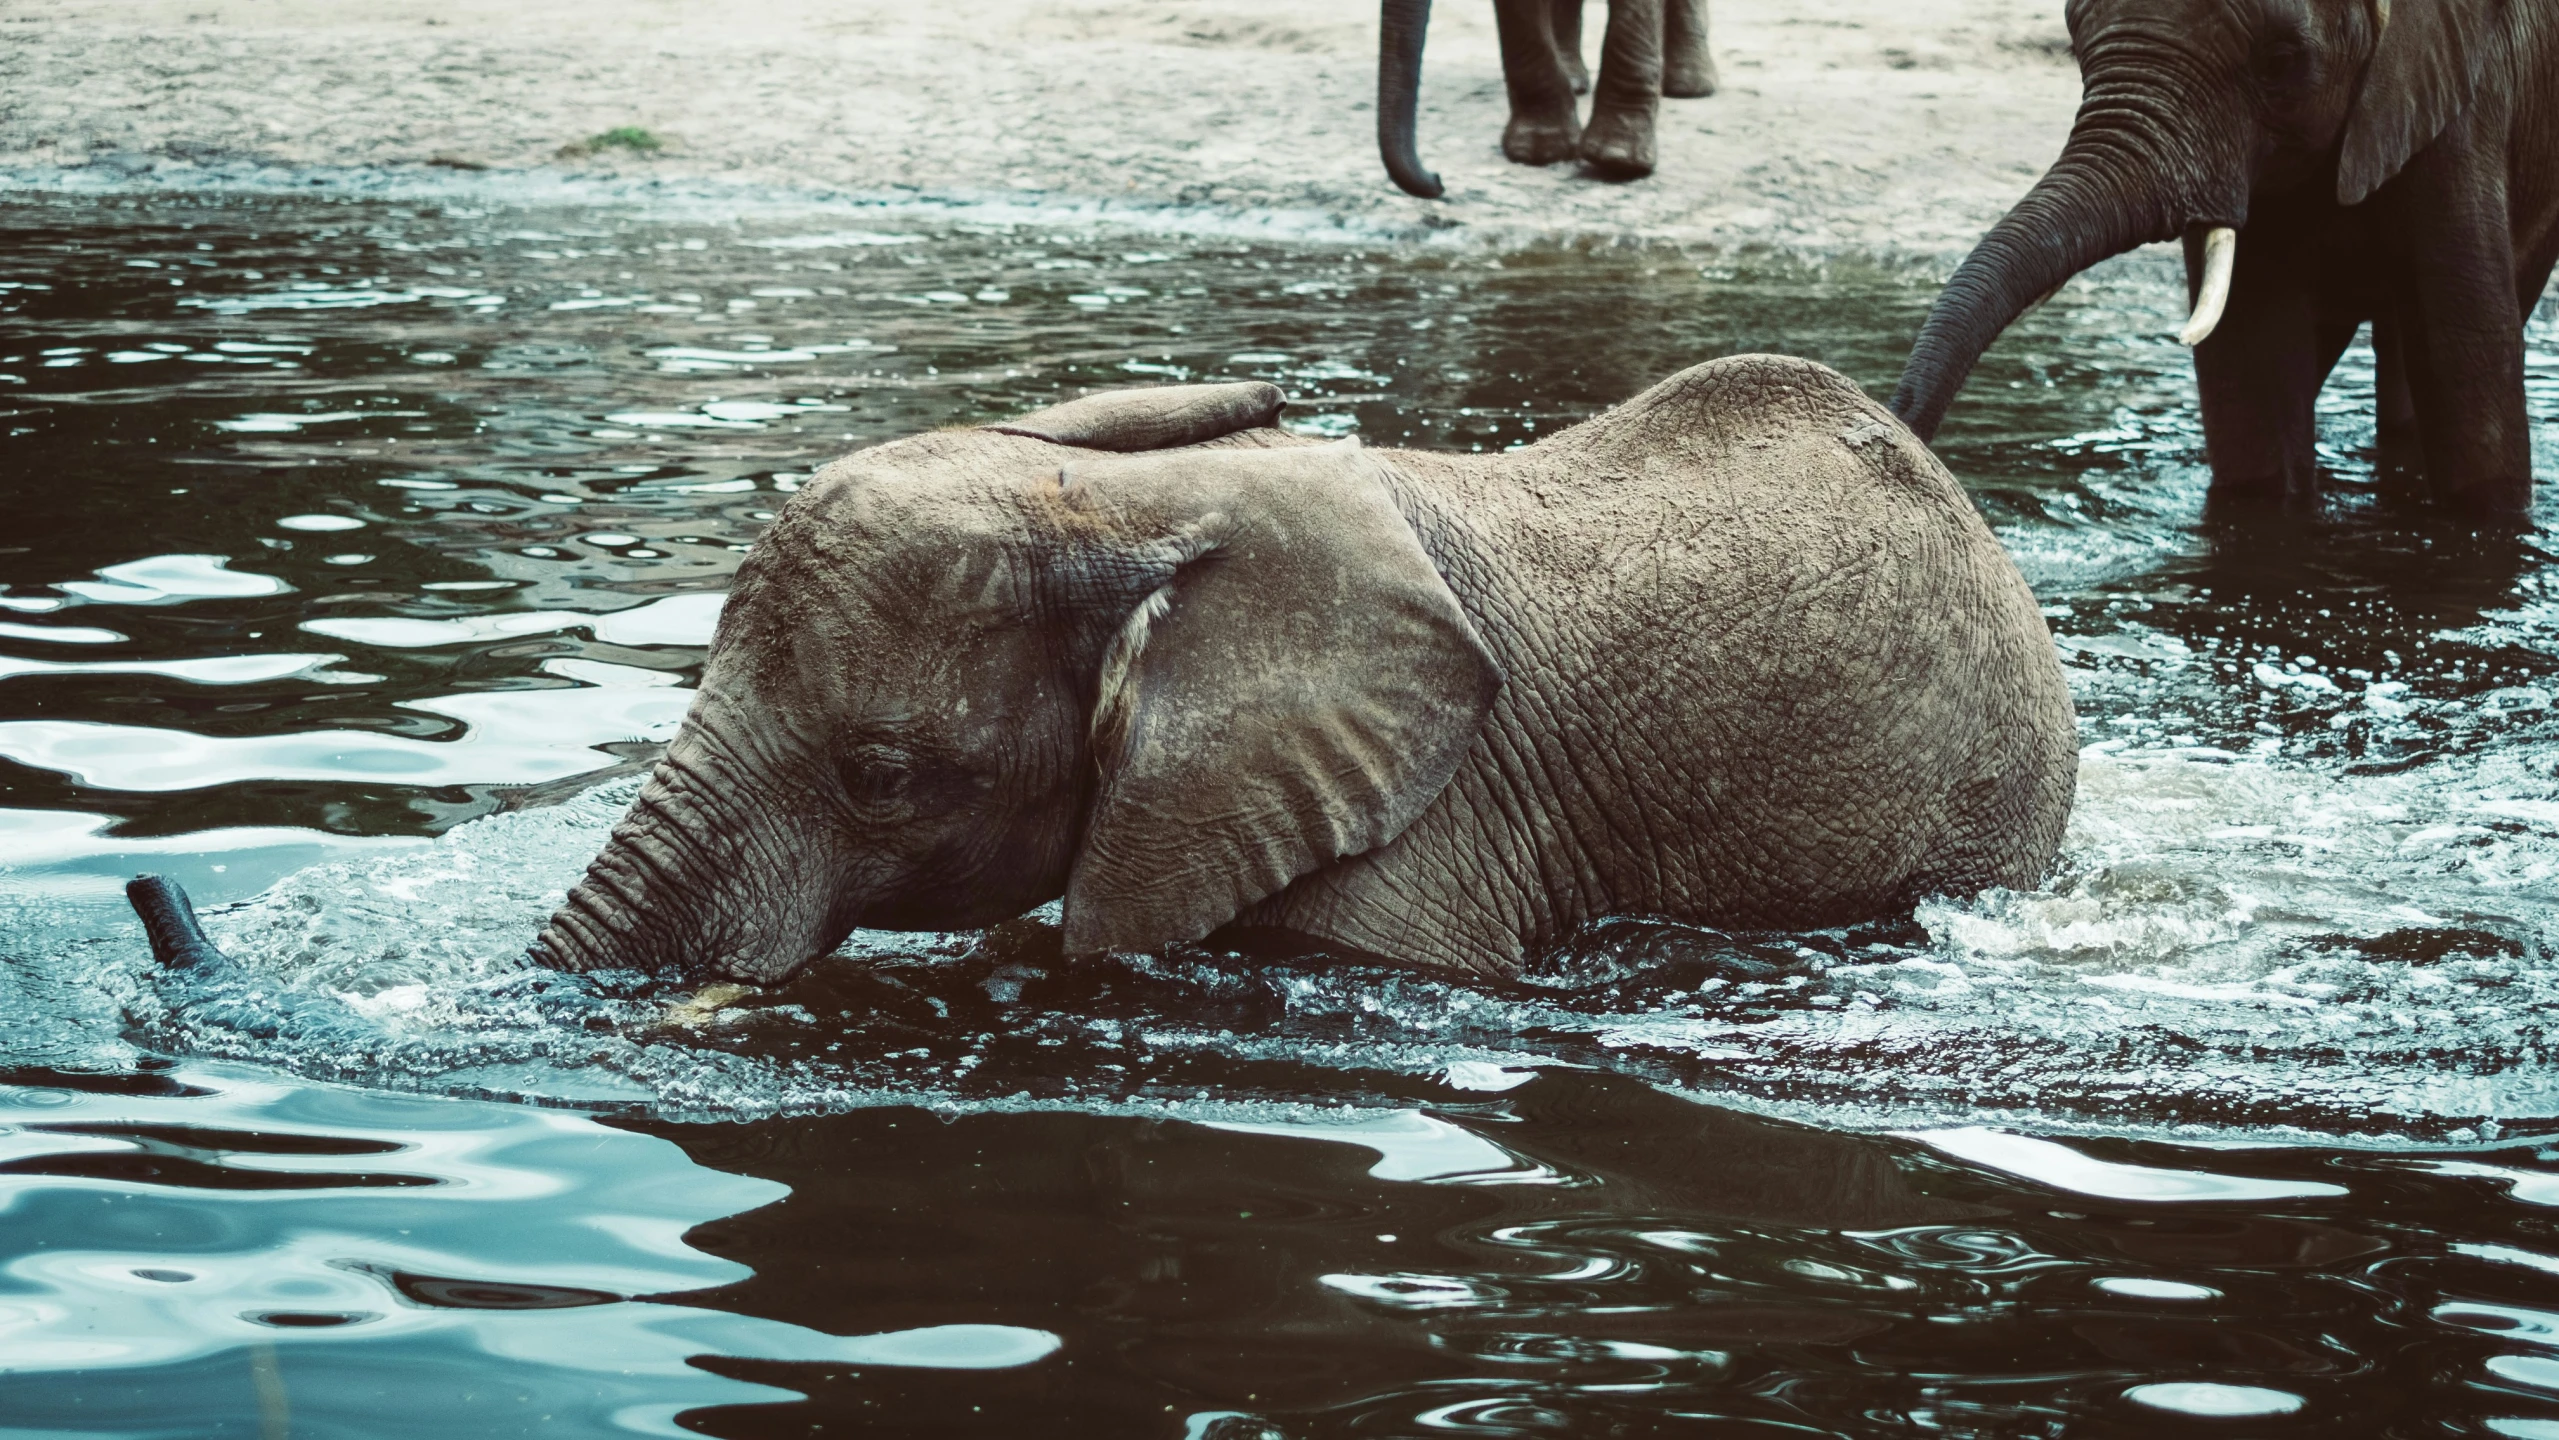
[{"x": 1877, "y": 125}]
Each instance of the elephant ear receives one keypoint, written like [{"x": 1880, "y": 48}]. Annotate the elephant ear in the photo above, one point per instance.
[
  {"x": 2425, "y": 68},
  {"x": 1297, "y": 685},
  {"x": 1158, "y": 418}
]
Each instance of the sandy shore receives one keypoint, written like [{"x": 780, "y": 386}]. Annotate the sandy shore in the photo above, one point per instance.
[{"x": 1878, "y": 125}]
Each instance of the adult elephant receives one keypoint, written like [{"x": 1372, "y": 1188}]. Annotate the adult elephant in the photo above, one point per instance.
[
  {"x": 2327, "y": 162},
  {"x": 1653, "y": 48},
  {"x": 1739, "y": 651}
]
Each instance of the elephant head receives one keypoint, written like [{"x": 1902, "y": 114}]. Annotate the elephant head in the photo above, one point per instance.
[
  {"x": 1080, "y": 653},
  {"x": 2188, "y": 108}
]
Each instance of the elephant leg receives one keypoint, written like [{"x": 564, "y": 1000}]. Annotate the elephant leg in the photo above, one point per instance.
[
  {"x": 1619, "y": 145},
  {"x": 1688, "y": 63},
  {"x": 2259, "y": 374},
  {"x": 2464, "y": 340},
  {"x": 2396, "y": 441},
  {"x": 1545, "y": 126},
  {"x": 1567, "y": 29}
]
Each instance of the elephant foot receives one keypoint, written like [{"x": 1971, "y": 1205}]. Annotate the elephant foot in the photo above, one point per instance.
[
  {"x": 2500, "y": 502},
  {"x": 1619, "y": 145},
  {"x": 2230, "y": 498},
  {"x": 1578, "y": 73},
  {"x": 1690, "y": 77},
  {"x": 1541, "y": 139}
]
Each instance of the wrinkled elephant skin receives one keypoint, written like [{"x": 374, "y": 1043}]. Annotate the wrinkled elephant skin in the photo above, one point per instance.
[{"x": 1739, "y": 652}]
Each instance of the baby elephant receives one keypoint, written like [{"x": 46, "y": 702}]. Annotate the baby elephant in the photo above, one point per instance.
[{"x": 1738, "y": 652}]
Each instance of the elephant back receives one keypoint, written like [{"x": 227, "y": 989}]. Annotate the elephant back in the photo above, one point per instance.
[
  {"x": 1773, "y": 421},
  {"x": 1754, "y": 585}
]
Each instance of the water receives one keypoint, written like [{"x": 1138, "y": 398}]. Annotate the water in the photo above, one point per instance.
[{"x": 360, "y": 556}]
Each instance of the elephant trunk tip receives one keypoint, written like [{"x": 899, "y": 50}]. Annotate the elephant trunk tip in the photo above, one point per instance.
[
  {"x": 1920, "y": 408},
  {"x": 587, "y": 933},
  {"x": 558, "y": 948},
  {"x": 178, "y": 940},
  {"x": 1399, "y": 84},
  {"x": 1913, "y": 416},
  {"x": 1409, "y": 176}
]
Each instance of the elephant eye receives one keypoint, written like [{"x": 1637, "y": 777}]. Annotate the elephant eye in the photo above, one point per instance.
[
  {"x": 2282, "y": 61},
  {"x": 877, "y": 775}
]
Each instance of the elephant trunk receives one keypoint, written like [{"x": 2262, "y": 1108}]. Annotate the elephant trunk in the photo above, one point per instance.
[
  {"x": 2140, "y": 166},
  {"x": 178, "y": 941},
  {"x": 704, "y": 875},
  {"x": 639, "y": 905},
  {"x": 1399, "y": 85}
]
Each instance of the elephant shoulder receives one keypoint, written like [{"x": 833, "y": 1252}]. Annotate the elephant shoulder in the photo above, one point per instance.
[
  {"x": 1739, "y": 389},
  {"x": 1776, "y": 420}
]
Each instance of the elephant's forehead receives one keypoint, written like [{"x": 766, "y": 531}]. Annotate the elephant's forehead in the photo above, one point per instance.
[
  {"x": 885, "y": 628},
  {"x": 879, "y": 548},
  {"x": 876, "y": 510},
  {"x": 956, "y": 487}
]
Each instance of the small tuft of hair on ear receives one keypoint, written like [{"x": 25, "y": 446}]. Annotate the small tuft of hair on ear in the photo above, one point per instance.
[
  {"x": 1110, "y": 697},
  {"x": 1158, "y": 418}
]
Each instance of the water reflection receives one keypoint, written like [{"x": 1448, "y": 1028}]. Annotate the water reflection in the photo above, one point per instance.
[
  {"x": 1613, "y": 1257},
  {"x": 1513, "y": 1248},
  {"x": 262, "y": 1258}
]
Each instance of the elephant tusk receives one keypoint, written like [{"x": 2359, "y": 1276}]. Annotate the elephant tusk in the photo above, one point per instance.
[{"x": 2221, "y": 253}]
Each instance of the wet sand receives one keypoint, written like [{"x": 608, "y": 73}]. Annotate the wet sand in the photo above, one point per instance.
[{"x": 1888, "y": 126}]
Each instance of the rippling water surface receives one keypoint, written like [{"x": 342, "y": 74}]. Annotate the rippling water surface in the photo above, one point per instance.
[{"x": 360, "y": 556}]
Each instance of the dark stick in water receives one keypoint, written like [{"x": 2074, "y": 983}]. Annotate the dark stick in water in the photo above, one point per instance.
[{"x": 177, "y": 940}]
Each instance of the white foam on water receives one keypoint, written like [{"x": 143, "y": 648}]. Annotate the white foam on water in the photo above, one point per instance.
[
  {"x": 949, "y": 1347},
  {"x": 2050, "y": 1162},
  {"x": 1412, "y": 1292},
  {"x": 2139, "y": 1288},
  {"x": 2509, "y": 1255},
  {"x": 2233, "y": 938},
  {"x": 402, "y": 937},
  {"x": 516, "y": 737},
  {"x": 1414, "y": 1147},
  {"x": 58, "y": 854},
  {"x": 674, "y": 620},
  {"x": 201, "y": 670},
  {"x": 171, "y": 579},
  {"x": 1485, "y": 1077},
  {"x": 836, "y": 240},
  {"x": 2206, "y": 1398},
  {"x": 2188, "y": 964},
  {"x": 311, "y": 295},
  {"x": 60, "y": 634},
  {"x": 2527, "y": 1187}
]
